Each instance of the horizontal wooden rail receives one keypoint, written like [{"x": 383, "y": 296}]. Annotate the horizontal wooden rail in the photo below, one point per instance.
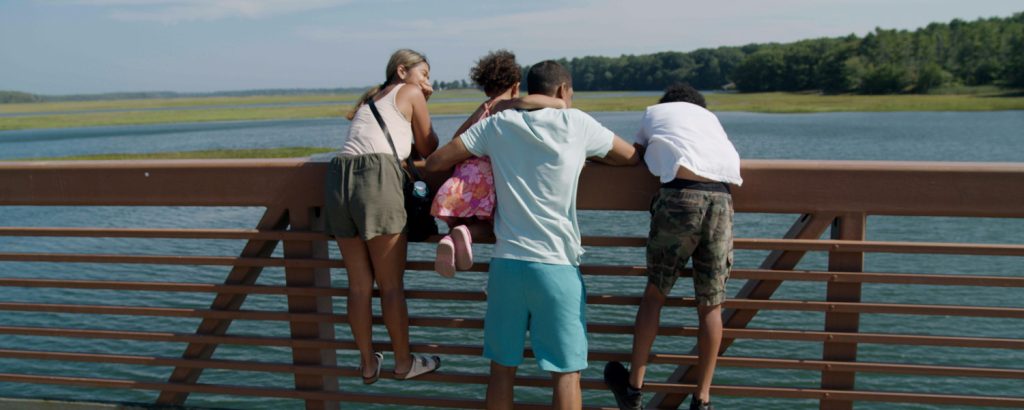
[
  {"x": 879, "y": 277},
  {"x": 821, "y": 245},
  {"x": 738, "y": 304},
  {"x": 597, "y": 270},
  {"x": 832, "y": 245},
  {"x": 968, "y": 189},
  {"x": 687, "y": 331},
  {"x": 725, "y": 390},
  {"x": 178, "y": 233},
  {"x": 747, "y": 274},
  {"x": 171, "y": 260},
  {"x": 656, "y": 358},
  {"x": 245, "y": 391}
]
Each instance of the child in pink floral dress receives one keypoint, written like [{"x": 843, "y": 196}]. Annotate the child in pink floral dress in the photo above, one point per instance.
[{"x": 466, "y": 200}]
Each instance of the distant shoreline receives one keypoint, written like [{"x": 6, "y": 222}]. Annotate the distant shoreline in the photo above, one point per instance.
[{"x": 185, "y": 110}]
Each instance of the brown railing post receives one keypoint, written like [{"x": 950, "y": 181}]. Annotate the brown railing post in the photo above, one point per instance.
[
  {"x": 305, "y": 219},
  {"x": 846, "y": 227}
]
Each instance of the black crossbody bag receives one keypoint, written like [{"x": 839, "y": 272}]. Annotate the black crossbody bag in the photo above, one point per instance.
[{"x": 419, "y": 224}]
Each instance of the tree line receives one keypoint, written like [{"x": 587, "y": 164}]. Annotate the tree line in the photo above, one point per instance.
[{"x": 980, "y": 52}]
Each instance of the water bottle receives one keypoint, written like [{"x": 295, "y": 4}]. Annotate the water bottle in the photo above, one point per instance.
[{"x": 419, "y": 189}]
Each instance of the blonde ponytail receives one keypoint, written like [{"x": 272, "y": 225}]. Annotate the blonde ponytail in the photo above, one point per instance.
[{"x": 402, "y": 58}]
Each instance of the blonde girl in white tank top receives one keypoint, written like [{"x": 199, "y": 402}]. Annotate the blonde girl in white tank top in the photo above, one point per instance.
[{"x": 402, "y": 101}]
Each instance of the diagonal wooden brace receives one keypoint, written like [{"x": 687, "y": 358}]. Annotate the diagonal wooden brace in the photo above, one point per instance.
[{"x": 273, "y": 219}]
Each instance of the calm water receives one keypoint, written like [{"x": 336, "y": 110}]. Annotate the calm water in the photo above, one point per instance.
[{"x": 863, "y": 136}]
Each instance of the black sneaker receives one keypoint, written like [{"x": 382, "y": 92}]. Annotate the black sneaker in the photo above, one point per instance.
[
  {"x": 696, "y": 404},
  {"x": 617, "y": 378}
]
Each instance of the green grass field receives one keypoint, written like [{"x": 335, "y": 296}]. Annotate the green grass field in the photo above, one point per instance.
[
  {"x": 285, "y": 152},
  {"x": 132, "y": 112}
]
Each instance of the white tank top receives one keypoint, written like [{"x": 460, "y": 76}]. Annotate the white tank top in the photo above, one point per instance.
[{"x": 366, "y": 137}]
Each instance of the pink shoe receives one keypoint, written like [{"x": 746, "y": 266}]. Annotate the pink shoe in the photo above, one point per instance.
[
  {"x": 444, "y": 263},
  {"x": 463, "y": 241}
]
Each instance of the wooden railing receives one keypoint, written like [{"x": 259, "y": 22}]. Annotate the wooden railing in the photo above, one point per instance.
[{"x": 825, "y": 196}]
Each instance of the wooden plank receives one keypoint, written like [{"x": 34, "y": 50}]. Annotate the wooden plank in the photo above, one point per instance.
[
  {"x": 788, "y": 305},
  {"x": 773, "y": 186},
  {"x": 741, "y": 391},
  {"x": 881, "y": 277},
  {"x": 251, "y": 234},
  {"x": 748, "y": 274},
  {"x": 660, "y": 358},
  {"x": 838, "y": 245},
  {"x": 239, "y": 261},
  {"x": 685, "y": 331}
]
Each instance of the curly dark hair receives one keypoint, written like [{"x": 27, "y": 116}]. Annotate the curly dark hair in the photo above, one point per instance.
[
  {"x": 683, "y": 92},
  {"x": 496, "y": 72}
]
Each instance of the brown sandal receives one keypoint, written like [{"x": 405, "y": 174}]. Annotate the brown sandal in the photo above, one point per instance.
[{"x": 376, "y": 374}]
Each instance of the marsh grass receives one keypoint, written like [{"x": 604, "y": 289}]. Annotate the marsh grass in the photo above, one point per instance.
[
  {"x": 132, "y": 112},
  {"x": 284, "y": 152}
]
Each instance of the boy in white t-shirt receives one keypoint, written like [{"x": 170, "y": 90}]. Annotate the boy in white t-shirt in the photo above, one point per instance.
[{"x": 691, "y": 216}]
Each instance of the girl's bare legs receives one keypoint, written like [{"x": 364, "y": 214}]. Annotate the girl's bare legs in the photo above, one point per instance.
[
  {"x": 387, "y": 253},
  {"x": 482, "y": 230},
  {"x": 360, "y": 313}
]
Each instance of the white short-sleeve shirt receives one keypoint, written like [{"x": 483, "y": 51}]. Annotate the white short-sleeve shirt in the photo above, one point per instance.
[
  {"x": 680, "y": 134},
  {"x": 537, "y": 158}
]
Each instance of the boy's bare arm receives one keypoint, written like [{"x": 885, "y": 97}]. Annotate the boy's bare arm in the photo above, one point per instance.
[
  {"x": 621, "y": 154},
  {"x": 447, "y": 156},
  {"x": 530, "y": 102}
]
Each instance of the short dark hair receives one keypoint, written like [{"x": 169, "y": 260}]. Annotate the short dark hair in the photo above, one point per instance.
[
  {"x": 496, "y": 72},
  {"x": 545, "y": 77},
  {"x": 683, "y": 93}
]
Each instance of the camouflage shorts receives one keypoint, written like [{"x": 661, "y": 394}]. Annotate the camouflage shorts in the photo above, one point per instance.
[{"x": 684, "y": 223}]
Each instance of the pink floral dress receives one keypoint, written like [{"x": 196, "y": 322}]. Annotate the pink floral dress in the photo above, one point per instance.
[{"x": 469, "y": 192}]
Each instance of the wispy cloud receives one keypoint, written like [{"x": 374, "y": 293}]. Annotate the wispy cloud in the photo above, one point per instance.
[{"x": 177, "y": 11}]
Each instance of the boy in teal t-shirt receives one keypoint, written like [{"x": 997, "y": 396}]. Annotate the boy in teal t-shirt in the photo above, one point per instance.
[{"x": 534, "y": 282}]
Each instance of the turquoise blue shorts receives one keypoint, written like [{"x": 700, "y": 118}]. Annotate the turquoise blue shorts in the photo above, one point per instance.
[{"x": 549, "y": 302}]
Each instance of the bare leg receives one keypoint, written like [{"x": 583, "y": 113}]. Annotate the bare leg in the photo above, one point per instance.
[
  {"x": 567, "y": 394},
  {"x": 481, "y": 230},
  {"x": 709, "y": 340},
  {"x": 388, "y": 255},
  {"x": 499, "y": 387},
  {"x": 648, "y": 317},
  {"x": 360, "y": 284}
]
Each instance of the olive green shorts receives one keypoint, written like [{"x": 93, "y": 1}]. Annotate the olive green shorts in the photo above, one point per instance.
[
  {"x": 685, "y": 223},
  {"x": 363, "y": 196}
]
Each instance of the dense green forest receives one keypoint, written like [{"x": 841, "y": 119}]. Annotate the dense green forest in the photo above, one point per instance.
[{"x": 981, "y": 52}]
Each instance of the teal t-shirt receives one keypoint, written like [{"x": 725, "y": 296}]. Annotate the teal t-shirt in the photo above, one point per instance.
[{"x": 537, "y": 158}]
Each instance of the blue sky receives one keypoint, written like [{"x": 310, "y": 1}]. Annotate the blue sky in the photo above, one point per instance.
[{"x": 90, "y": 46}]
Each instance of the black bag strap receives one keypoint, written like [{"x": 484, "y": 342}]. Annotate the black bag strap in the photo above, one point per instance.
[{"x": 384, "y": 127}]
